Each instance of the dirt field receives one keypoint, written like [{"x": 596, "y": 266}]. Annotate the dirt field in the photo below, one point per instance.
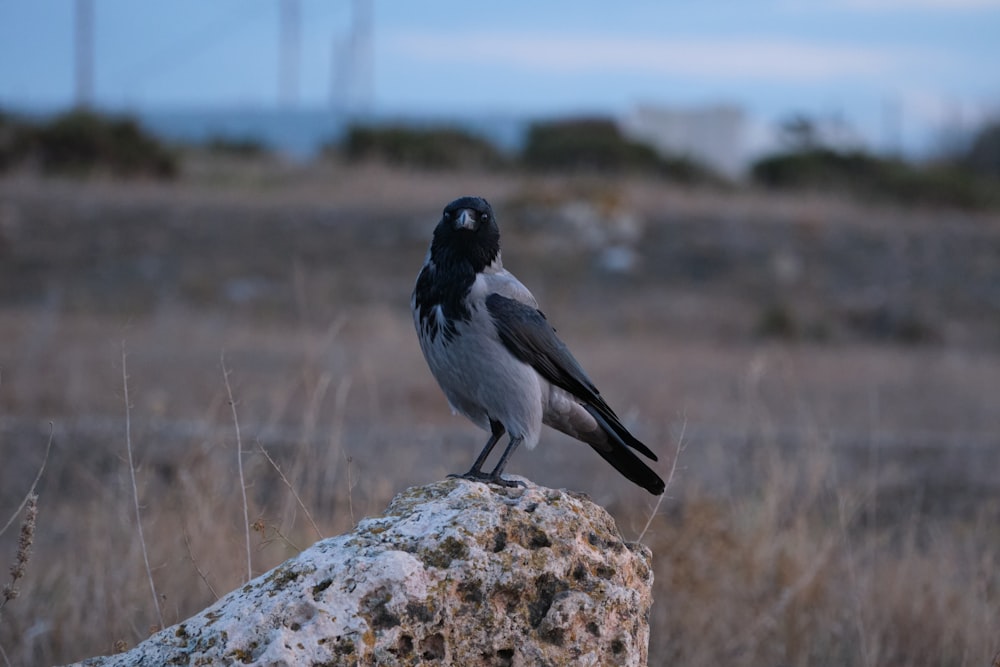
[{"x": 826, "y": 374}]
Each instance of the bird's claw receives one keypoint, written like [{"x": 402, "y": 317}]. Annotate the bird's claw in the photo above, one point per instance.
[
  {"x": 489, "y": 478},
  {"x": 508, "y": 483}
]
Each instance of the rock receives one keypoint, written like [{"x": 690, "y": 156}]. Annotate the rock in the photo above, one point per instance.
[{"x": 454, "y": 573}]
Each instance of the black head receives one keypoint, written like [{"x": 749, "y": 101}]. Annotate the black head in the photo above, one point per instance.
[{"x": 467, "y": 232}]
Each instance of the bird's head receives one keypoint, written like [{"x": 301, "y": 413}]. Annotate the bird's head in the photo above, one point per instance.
[
  {"x": 467, "y": 231},
  {"x": 468, "y": 214}
]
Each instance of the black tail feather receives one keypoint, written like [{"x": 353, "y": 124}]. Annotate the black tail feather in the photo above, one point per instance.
[
  {"x": 617, "y": 453},
  {"x": 633, "y": 468},
  {"x": 617, "y": 430}
]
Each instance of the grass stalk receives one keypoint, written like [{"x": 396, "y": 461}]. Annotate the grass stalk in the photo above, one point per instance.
[
  {"x": 135, "y": 488},
  {"x": 302, "y": 506},
  {"x": 239, "y": 464}
]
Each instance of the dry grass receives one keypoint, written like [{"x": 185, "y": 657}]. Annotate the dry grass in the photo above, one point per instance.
[
  {"x": 834, "y": 503},
  {"x": 805, "y": 570}
]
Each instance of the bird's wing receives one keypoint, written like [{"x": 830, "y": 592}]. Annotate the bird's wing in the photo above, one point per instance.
[
  {"x": 528, "y": 336},
  {"x": 504, "y": 283}
]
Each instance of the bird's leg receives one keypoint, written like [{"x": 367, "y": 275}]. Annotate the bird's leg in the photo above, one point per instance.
[
  {"x": 494, "y": 476},
  {"x": 476, "y": 471}
]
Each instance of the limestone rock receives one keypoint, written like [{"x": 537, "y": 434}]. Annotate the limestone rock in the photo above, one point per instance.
[{"x": 454, "y": 573}]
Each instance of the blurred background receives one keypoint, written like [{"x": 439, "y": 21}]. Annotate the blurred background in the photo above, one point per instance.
[{"x": 769, "y": 230}]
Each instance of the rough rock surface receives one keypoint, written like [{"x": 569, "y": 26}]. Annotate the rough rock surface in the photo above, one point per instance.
[{"x": 454, "y": 573}]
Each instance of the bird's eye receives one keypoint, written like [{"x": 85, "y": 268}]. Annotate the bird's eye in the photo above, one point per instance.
[
  {"x": 484, "y": 216},
  {"x": 447, "y": 215}
]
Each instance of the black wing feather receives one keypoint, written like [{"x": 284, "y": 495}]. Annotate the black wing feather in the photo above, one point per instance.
[{"x": 529, "y": 337}]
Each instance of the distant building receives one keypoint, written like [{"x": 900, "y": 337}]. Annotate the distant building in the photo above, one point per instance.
[{"x": 714, "y": 136}]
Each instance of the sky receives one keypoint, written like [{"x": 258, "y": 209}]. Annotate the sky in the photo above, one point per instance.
[{"x": 895, "y": 71}]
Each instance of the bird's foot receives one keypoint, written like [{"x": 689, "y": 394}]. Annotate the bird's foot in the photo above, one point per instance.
[
  {"x": 488, "y": 478},
  {"x": 508, "y": 483},
  {"x": 472, "y": 476}
]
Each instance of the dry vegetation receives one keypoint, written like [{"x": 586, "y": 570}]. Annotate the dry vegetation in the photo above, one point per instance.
[{"x": 829, "y": 374}]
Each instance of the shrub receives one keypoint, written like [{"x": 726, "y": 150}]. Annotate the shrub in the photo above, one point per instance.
[
  {"x": 777, "y": 321},
  {"x": 15, "y": 138},
  {"x": 899, "y": 323},
  {"x": 820, "y": 168},
  {"x": 244, "y": 147},
  {"x": 81, "y": 141},
  {"x": 983, "y": 155},
  {"x": 862, "y": 174},
  {"x": 940, "y": 184},
  {"x": 430, "y": 148},
  {"x": 588, "y": 143},
  {"x": 596, "y": 144}
]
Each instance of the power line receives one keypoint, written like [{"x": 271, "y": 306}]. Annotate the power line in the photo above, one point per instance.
[{"x": 193, "y": 44}]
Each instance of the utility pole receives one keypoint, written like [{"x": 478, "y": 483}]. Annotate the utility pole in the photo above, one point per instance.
[
  {"x": 362, "y": 52},
  {"x": 352, "y": 79},
  {"x": 84, "y": 53},
  {"x": 289, "y": 54}
]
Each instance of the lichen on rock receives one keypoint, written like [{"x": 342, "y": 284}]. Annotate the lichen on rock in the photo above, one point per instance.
[{"x": 455, "y": 572}]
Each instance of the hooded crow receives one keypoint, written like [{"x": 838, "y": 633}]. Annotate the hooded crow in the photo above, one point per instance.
[{"x": 498, "y": 360}]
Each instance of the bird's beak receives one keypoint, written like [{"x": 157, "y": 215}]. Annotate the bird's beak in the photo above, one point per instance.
[{"x": 466, "y": 220}]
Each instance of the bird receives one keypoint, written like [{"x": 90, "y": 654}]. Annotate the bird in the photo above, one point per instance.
[{"x": 498, "y": 360}]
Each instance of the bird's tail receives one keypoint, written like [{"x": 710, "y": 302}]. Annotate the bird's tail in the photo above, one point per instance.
[
  {"x": 615, "y": 450},
  {"x": 635, "y": 470}
]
